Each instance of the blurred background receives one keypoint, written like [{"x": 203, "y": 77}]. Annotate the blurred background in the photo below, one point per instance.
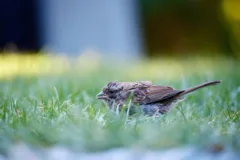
[
  {"x": 127, "y": 28},
  {"x": 56, "y": 55}
]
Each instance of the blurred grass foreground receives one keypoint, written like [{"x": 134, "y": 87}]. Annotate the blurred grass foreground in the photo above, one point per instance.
[{"x": 47, "y": 100}]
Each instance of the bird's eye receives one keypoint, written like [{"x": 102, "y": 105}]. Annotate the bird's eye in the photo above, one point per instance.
[{"x": 111, "y": 92}]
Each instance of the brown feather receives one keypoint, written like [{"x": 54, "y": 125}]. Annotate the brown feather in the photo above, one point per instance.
[
  {"x": 189, "y": 90},
  {"x": 159, "y": 93},
  {"x": 152, "y": 98},
  {"x": 134, "y": 85}
]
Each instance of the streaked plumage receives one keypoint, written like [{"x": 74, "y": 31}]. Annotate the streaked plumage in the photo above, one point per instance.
[{"x": 152, "y": 99}]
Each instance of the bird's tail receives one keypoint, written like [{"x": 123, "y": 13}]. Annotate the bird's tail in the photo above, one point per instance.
[{"x": 198, "y": 87}]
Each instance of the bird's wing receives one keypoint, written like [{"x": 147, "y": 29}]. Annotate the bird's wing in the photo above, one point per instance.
[{"x": 154, "y": 94}]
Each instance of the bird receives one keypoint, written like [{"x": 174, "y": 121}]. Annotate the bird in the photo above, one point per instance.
[{"x": 151, "y": 99}]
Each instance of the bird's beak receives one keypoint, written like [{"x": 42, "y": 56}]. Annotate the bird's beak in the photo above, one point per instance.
[{"x": 101, "y": 95}]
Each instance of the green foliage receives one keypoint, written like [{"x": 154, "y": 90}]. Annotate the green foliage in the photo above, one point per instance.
[{"x": 61, "y": 109}]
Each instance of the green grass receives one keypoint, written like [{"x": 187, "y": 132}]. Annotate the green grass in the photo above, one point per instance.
[{"x": 48, "y": 101}]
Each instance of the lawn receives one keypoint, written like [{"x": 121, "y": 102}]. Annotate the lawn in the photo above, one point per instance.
[{"x": 47, "y": 101}]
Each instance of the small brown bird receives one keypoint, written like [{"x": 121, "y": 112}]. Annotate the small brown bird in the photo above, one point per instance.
[{"x": 152, "y": 99}]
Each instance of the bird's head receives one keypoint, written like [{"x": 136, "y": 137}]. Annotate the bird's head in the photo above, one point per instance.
[
  {"x": 118, "y": 92},
  {"x": 110, "y": 92}
]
